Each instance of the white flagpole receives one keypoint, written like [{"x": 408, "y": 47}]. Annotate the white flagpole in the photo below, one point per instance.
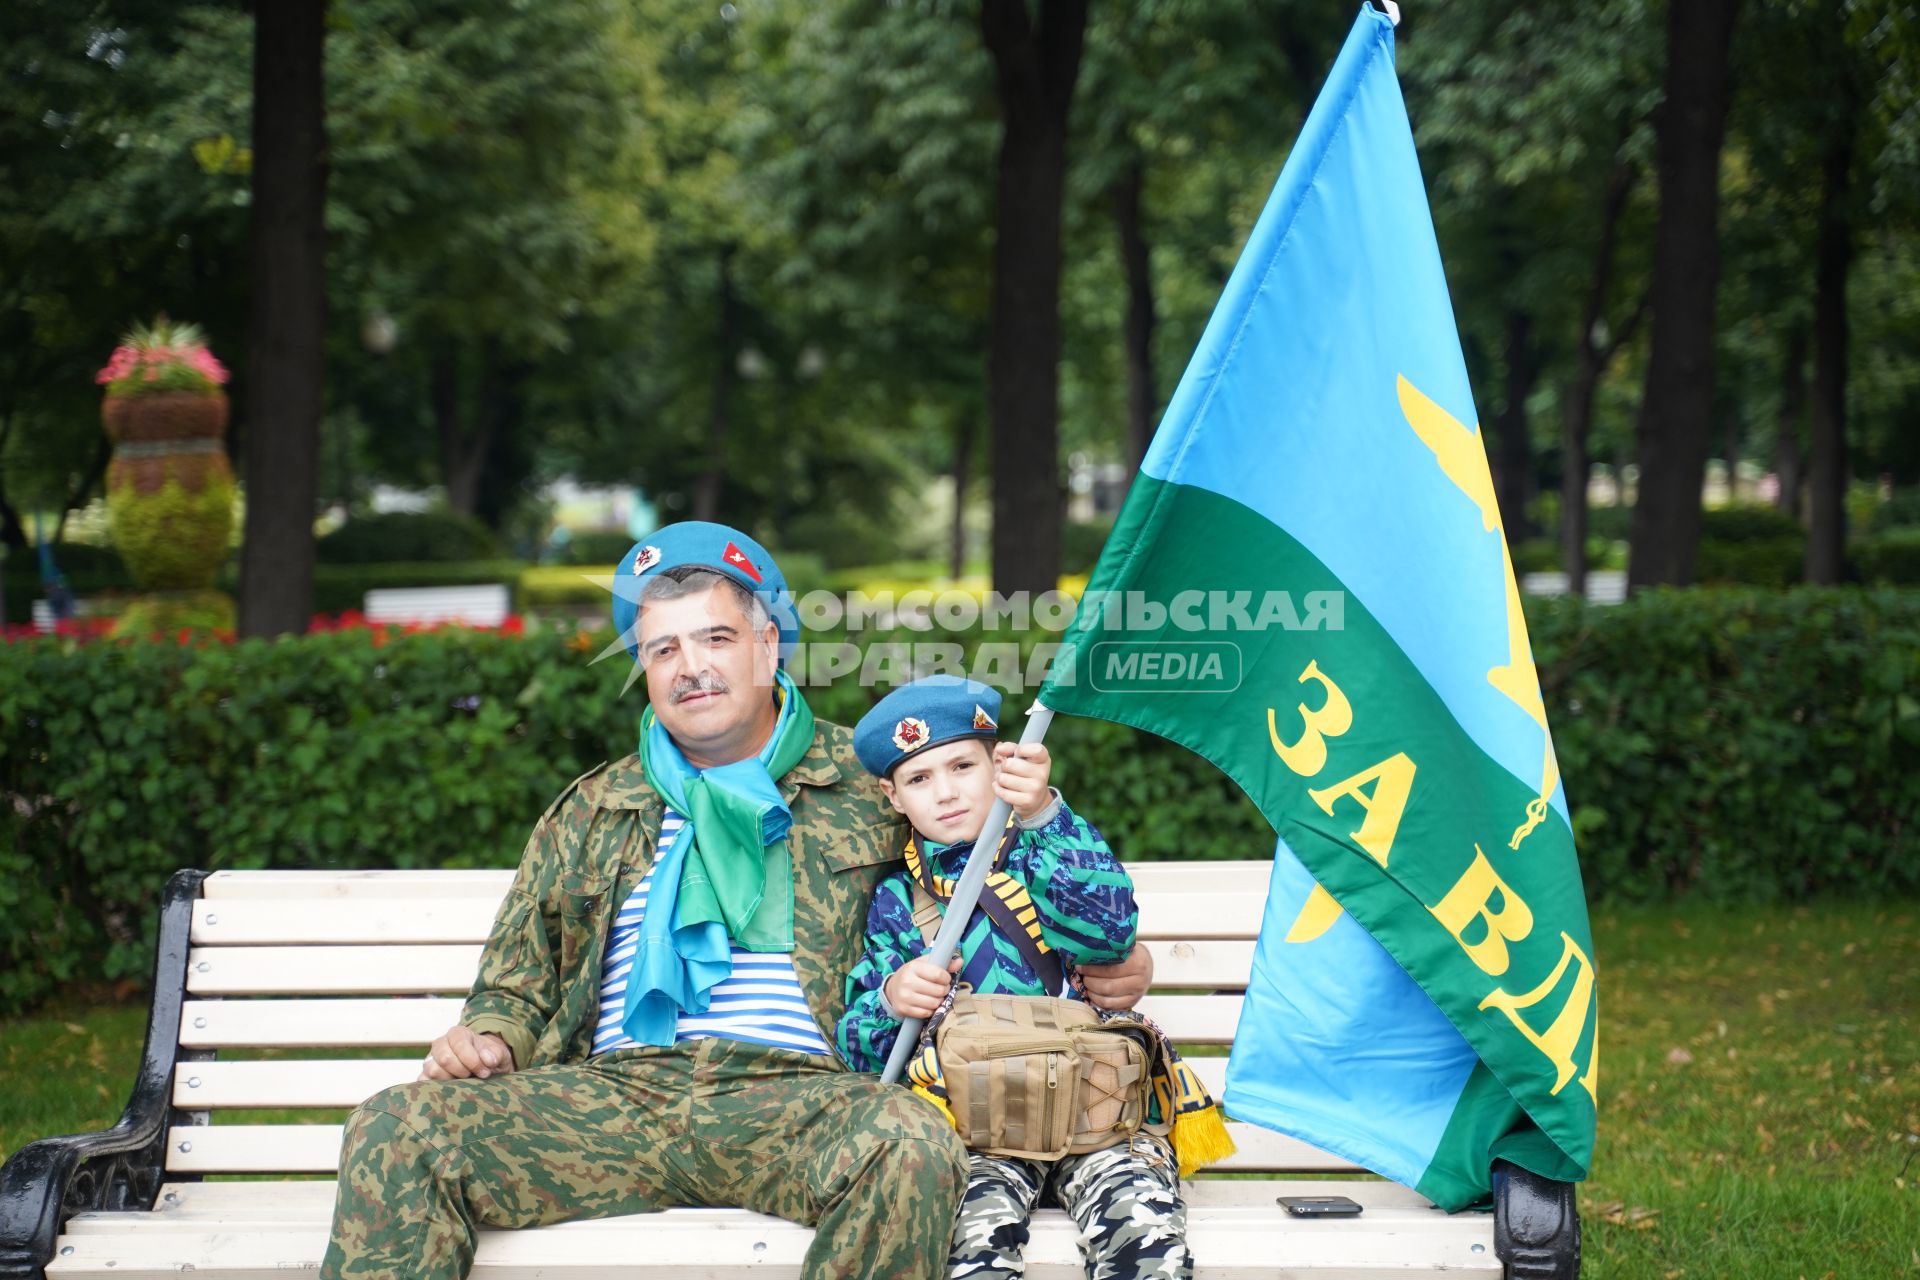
[{"x": 966, "y": 893}]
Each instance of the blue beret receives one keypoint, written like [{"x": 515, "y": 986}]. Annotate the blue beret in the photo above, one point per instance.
[
  {"x": 930, "y": 712},
  {"x": 702, "y": 545}
]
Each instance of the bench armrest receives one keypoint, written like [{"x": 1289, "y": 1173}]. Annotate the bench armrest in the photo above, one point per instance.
[
  {"x": 48, "y": 1181},
  {"x": 1536, "y": 1226}
]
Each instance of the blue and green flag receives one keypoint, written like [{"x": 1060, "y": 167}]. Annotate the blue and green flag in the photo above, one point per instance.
[{"x": 1309, "y": 585}]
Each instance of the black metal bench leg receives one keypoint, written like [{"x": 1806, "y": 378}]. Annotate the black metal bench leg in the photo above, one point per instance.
[
  {"x": 49, "y": 1181},
  {"x": 1536, "y": 1226}
]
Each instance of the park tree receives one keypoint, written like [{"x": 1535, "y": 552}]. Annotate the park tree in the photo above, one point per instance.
[
  {"x": 1676, "y": 414},
  {"x": 122, "y": 193},
  {"x": 287, "y": 309},
  {"x": 491, "y": 177},
  {"x": 1179, "y": 100},
  {"x": 1036, "y": 58},
  {"x": 1536, "y": 131}
]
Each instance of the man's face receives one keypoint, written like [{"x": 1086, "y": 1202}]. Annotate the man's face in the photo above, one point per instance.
[
  {"x": 709, "y": 676},
  {"x": 946, "y": 791}
]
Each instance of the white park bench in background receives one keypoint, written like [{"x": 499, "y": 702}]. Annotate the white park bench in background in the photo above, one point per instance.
[
  {"x": 308, "y": 964},
  {"x": 479, "y": 605}
]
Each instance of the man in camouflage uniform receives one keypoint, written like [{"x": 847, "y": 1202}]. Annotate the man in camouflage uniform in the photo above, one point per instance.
[{"x": 517, "y": 1121}]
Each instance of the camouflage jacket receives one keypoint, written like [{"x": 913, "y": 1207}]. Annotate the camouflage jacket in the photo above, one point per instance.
[{"x": 539, "y": 982}]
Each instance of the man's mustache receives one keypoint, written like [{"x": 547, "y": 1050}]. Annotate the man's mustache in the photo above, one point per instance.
[{"x": 686, "y": 686}]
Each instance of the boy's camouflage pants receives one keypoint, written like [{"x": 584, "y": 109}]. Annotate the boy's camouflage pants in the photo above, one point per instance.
[
  {"x": 876, "y": 1171},
  {"x": 1125, "y": 1200}
]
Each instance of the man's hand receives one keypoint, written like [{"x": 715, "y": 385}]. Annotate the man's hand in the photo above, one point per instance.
[
  {"x": 917, "y": 987},
  {"x": 460, "y": 1054},
  {"x": 1119, "y": 986},
  {"x": 1020, "y": 776}
]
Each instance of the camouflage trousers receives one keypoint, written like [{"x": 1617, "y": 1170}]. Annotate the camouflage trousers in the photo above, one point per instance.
[
  {"x": 875, "y": 1170},
  {"x": 1125, "y": 1200}
]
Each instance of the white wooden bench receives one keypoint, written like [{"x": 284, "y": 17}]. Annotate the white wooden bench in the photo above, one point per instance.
[
  {"x": 307, "y": 964},
  {"x": 484, "y": 604}
]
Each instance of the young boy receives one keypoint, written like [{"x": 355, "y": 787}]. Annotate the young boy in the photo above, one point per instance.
[{"x": 933, "y": 745}]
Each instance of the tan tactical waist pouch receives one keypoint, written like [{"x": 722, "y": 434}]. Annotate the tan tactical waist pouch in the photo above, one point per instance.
[{"x": 1040, "y": 1078}]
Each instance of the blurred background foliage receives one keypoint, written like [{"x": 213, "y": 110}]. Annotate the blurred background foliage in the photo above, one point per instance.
[{"x": 738, "y": 255}]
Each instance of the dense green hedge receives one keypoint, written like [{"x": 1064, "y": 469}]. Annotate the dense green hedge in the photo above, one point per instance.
[
  {"x": 1750, "y": 545},
  {"x": 1890, "y": 558},
  {"x": 408, "y": 536},
  {"x": 1741, "y": 745}
]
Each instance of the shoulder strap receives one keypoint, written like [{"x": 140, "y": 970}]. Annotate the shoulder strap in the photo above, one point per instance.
[{"x": 1004, "y": 899}]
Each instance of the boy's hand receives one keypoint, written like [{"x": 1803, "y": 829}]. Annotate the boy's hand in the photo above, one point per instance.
[
  {"x": 1020, "y": 776},
  {"x": 917, "y": 987}
]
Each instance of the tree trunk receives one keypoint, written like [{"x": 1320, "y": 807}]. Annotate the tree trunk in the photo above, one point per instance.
[
  {"x": 1574, "y": 466},
  {"x": 964, "y": 433},
  {"x": 507, "y": 460},
  {"x": 1135, "y": 259},
  {"x": 1034, "y": 72},
  {"x": 287, "y": 308},
  {"x": 1513, "y": 464},
  {"x": 1827, "y": 461},
  {"x": 1590, "y": 361},
  {"x": 706, "y": 490},
  {"x": 1676, "y": 414},
  {"x": 13, "y": 534},
  {"x": 1793, "y": 406},
  {"x": 461, "y": 430}
]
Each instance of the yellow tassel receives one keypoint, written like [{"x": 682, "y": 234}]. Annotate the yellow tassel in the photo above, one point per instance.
[
  {"x": 937, "y": 1101},
  {"x": 1200, "y": 1139}
]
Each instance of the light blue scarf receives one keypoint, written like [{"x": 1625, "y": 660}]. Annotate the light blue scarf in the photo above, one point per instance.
[{"x": 702, "y": 900}]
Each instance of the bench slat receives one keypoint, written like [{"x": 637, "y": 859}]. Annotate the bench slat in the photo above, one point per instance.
[
  {"x": 296, "y": 921},
  {"x": 192, "y": 1205},
  {"x": 1385, "y": 1243},
  {"x": 236, "y": 1024},
  {"x": 315, "y": 1148},
  {"x": 347, "y": 1082},
  {"x": 314, "y": 885},
  {"x": 1149, "y": 878},
  {"x": 349, "y": 970},
  {"x": 283, "y": 1084},
  {"x": 467, "y": 918},
  {"x": 416, "y": 969},
  {"x": 329, "y": 1023}
]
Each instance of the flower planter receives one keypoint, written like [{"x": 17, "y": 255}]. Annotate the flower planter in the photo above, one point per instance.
[
  {"x": 170, "y": 489},
  {"x": 166, "y": 415},
  {"x": 148, "y": 470}
]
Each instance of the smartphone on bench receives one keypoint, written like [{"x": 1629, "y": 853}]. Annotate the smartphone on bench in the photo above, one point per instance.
[{"x": 1320, "y": 1206}]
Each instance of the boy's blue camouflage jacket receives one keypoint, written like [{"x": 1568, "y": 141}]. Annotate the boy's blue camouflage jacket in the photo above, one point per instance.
[{"x": 1086, "y": 913}]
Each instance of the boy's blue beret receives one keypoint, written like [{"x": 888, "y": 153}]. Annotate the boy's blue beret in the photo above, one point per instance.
[{"x": 927, "y": 713}]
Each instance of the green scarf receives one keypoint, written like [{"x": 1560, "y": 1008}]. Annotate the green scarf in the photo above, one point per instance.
[{"x": 739, "y": 870}]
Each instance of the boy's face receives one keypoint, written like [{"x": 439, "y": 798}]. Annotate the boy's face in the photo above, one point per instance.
[{"x": 946, "y": 791}]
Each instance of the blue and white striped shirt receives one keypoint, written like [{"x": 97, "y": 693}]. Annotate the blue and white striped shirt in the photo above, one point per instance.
[{"x": 760, "y": 1003}]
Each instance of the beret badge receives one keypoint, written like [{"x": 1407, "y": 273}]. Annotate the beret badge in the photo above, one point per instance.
[{"x": 910, "y": 733}]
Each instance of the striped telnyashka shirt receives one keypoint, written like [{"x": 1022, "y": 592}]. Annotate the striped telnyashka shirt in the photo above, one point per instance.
[{"x": 761, "y": 1003}]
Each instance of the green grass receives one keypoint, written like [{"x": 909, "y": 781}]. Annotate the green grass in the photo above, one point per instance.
[
  {"x": 1760, "y": 1091},
  {"x": 1760, "y": 1094}
]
